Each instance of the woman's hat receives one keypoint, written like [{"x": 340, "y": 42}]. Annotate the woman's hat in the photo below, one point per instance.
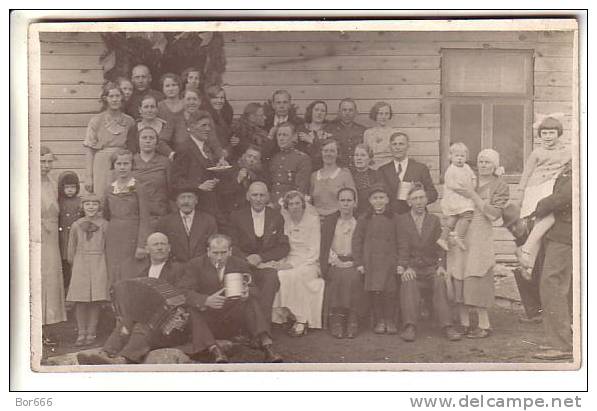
[
  {"x": 377, "y": 188},
  {"x": 510, "y": 214}
]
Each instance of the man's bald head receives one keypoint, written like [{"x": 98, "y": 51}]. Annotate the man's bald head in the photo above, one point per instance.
[
  {"x": 158, "y": 247},
  {"x": 258, "y": 195},
  {"x": 141, "y": 77}
]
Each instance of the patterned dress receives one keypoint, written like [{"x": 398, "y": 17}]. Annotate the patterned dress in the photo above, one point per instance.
[{"x": 106, "y": 135}]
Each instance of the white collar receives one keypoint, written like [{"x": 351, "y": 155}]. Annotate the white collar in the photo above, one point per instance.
[
  {"x": 191, "y": 214},
  {"x": 258, "y": 213},
  {"x": 319, "y": 176},
  {"x": 126, "y": 188}
]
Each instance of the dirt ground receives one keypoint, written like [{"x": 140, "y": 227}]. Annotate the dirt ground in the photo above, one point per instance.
[{"x": 510, "y": 342}]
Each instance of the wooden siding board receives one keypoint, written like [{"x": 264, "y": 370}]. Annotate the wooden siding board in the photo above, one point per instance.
[
  {"x": 322, "y": 77},
  {"x": 68, "y": 77},
  {"x": 548, "y": 93},
  {"x": 553, "y": 64},
  {"x": 395, "y": 36},
  {"x": 71, "y": 91},
  {"x": 553, "y": 78},
  {"x": 70, "y": 49},
  {"x": 339, "y": 63},
  {"x": 70, "y": 106},
  {"x": 65, "y": 120},
  {"x": 71, "y": 62},
  {"x": 70, "y": 37}
]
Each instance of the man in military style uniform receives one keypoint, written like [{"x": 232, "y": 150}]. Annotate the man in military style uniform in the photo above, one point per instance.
[
  {"x": 344, "y": 130},
  {"x": 290, "y": 169}
]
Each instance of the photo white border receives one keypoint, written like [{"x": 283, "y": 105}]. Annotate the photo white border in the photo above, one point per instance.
[{"x": 366, "y": 380}]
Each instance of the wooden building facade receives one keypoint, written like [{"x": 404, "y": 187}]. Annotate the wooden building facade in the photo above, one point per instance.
[{"x": 488, "y": 89}]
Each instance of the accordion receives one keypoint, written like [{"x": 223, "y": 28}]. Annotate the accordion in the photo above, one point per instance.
[{"x": 150, "y": 301}]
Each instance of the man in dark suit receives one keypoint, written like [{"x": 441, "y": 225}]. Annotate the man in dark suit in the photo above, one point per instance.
[
  {"x": 130, "y": 342},
  {"x": 556, "y": 280},
  {"x": 404, "y": 170},
  {"x": 191, "y": 163},
  {"x": 421, "y": 266},
  {"x": 187, "y": 228},
  {"x": 257, "y": 234},
  {"x": 214, "y": 315}
]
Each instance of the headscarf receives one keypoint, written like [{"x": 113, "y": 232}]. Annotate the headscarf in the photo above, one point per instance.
[{"x": 494, "y": 157}]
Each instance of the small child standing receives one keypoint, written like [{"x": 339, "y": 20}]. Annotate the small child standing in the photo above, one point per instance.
[
  {"x": 538, "y": 177},
  {"x": 69, "y": 203},
  {"x": 375, "y": 249},
  {"x": 89, "y": 281},
  {"x": 457, "y": 209}
]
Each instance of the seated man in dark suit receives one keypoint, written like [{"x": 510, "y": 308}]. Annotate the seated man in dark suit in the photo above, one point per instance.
[
  {"x": 212, "y": 314},
  {"x": 421, "y": 266},
  {"x": 399, "y": 175},
  {"x": 130, "y": 342},
  {"x": 257, "y": 234},
  {"x": 187, "y": 228}
]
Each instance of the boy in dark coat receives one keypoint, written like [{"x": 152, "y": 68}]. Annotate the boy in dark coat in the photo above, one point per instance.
[
  {"x": 374, "y": 249},
  {"x": 69, "y": 203}
]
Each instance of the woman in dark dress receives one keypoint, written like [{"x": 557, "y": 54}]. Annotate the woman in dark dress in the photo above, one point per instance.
[
  {"x": 127, "y": 210},
  {"x": 215, "y": 103},
  {"x": 249, "y": 129},
  {"x": 364, "y": 176},
  {"x": 344, "y": 284}
]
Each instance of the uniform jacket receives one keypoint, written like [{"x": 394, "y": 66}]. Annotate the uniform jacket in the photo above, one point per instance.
[{"x": 133, "y": 268}]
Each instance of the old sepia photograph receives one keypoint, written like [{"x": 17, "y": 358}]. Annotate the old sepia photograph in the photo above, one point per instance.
[{"x": 340, "y": 195}]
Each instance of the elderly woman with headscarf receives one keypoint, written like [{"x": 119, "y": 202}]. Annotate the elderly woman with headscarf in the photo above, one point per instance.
[{"x": 471, "y": 270}]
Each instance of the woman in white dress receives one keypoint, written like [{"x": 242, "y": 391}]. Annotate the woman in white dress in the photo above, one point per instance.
[{"x": 301, "y": 289}]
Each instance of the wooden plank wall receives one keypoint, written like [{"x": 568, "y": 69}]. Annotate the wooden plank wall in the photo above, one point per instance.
[{"x": 402, "y": 68}]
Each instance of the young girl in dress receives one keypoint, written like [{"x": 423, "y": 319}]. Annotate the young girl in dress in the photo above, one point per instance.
[
  {"x": 70, "y": 211},
  {"x": 374, "y": 249},
  {"x": 537, "y": 180},
  {"x": 89, "y": 282},
  {"x": 457, "y": 209},
  {"x": 378, "y": 137}
]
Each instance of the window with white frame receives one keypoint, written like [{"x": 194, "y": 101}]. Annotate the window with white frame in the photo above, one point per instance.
[{"x": 487, "y": 102}]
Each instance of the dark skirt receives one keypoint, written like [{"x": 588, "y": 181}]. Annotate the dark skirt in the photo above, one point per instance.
[{"x": 345, "y": 289}]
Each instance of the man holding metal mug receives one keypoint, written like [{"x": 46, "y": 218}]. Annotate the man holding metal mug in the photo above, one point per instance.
[{"x": 219, "y": 306}]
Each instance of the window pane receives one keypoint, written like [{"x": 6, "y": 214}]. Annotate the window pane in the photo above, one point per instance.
[
  {"x": 508, "y": 136},
  {"x": 466, "y": 126},
  {"x": 487, "y": 72}
]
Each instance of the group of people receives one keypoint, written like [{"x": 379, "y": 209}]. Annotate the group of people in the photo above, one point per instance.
[{"x": 329, "y": 218}]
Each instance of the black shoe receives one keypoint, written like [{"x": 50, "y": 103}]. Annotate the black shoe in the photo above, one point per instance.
[
  {"x": 452, "y": 334},
  {"x": 336, "y": 328},
  {"x": 218, "y": 355},
  {"x": 271, "y": 355}
]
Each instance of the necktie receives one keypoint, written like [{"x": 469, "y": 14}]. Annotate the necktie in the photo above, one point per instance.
[
  {"x": 399, "y": 171},
  {"x": 187, "y": 224}
]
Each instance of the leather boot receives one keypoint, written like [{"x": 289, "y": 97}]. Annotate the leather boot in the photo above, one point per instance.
[
  {"x": 218, "y": 354},
  {"x": 352, "y": 326},
  {"x": 336, "y": 325}
]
